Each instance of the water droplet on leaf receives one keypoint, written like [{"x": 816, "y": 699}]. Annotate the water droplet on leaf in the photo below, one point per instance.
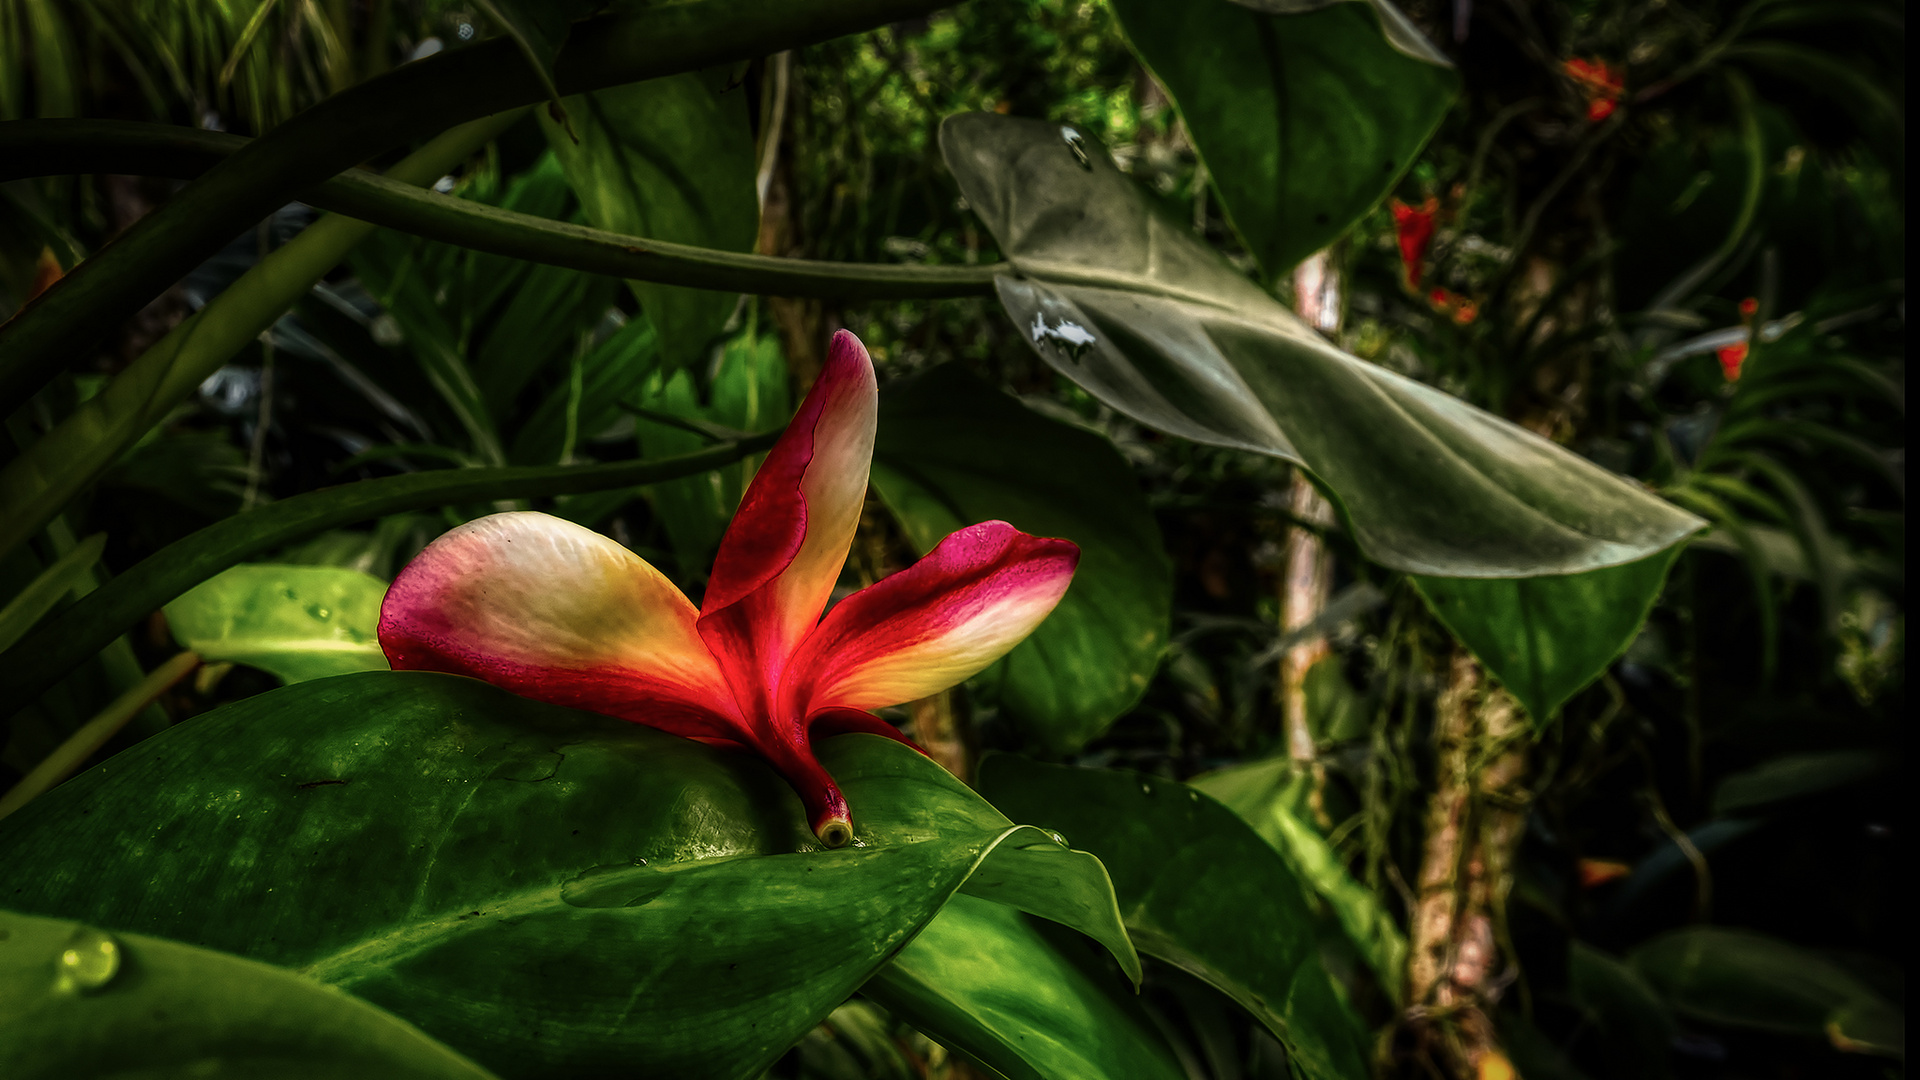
[{"x": 89, "y": 962}]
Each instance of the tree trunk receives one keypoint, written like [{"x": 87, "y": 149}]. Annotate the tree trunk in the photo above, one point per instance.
[{"x": 1455, "y": 973}]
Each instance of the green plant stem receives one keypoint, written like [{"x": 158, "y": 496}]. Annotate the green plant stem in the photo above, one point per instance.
[
  {"x": 83, "y": 629},
  {"x": 50, "y": 472},
  {"x": 413, "y": 101},
  {"x": 94, "y": 734},
  {"x": 56, "y": 147}
]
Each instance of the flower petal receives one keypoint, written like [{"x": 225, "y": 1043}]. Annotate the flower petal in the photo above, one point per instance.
[
  {"x": 783, "y": 552},
  {"x": 974, "y": 597},
  {"x": 553, "y": 611}
]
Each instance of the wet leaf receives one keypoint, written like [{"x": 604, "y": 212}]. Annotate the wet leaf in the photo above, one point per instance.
[
  {"x": 1199, "y": 889},
  {"x": 82, "y": 1002},
  {"x": 551, "y": 892},
  {"x": 538, "y": 28},
  {"x": 1305, "y": 111},
  {"x": 1159, "y": 327},
  {"x": 981, "y": 980},
  {"x": 667, "y": 159},
  {"x": 1546, "y": 638},
  {"x": 1742, "y": 979},
  {"x": 293, "y": 622},
  {"x": 953, "y": 451}
]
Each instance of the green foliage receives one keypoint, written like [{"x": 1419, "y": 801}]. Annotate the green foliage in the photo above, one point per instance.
[
  {"x": 1743, "y": 979},
  {"x": 985, "y": 983},
  {"x": 1268, "y": 796},
  {"x": 1157, "y": 326},
  {"x": 953, "y": 451},
  {"x": 668, "y": 159},
  {"x": 1305, "y": 118},
  {"x": 174, "y": 1010},
  {"x": 400, "y": 834},
  {"x": 1547, "y": 638},
  {"x": 1199, "y": 889},
  {"x": 294, "y": 622}
]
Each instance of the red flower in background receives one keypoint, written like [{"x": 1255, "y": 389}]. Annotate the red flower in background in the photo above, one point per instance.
[
  {"x": 1460, "y": 309},
  {"x": 1604, "y": 86},
  {"x": 1734, "y": 355},
  {"x": 556, "y": 612},
  {"x": 1413, "y": 226}
]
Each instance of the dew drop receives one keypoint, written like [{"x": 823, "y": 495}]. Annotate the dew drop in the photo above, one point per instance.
[
  {"x": 1146, "y": 788},
  {"x": 319, "y": 612},
  {"x": 88, "y": 963},
  {"x": 1059, "y": 838}
]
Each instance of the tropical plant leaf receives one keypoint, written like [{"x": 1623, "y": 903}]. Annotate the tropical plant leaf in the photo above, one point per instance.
[
  {"x": 668, "y": 159},
  {"x": 82, "y": 1002},
  {"x": 539, "y": 28},
  {"x": 953, "y": 451},
  {"x": 549, "y": 891},
  {"x": 1638, "y": 1024},
  {"x": 1199, "y": 889},
  {"x": 1795, "y": 776},
  {"x": 1546, "y": 638},
  {"x": 982, "y": 981},
  {"x": 1267, "y": 795},
  {"x": 1153, "y": 323},
  {"x": 1742, "y": 979},
  {"x": 1305, "y": 111},
  {"x": 293, "y": 622},
  {"x": 610, "y": 373}
]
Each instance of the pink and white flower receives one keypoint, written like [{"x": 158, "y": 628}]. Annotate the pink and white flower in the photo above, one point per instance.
[{"x": 556, "y": 612}]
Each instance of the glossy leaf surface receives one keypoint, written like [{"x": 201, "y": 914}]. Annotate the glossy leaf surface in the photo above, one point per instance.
[
  {"x": 1200, "y": 889},
  {"x": 1795, "y": 776},
  {"x": 549, "y": 891},
  {"x": 81, "y": 1002},
  {"x": 1161, "y": 328},
  {"x": 294, "y": 622},
  {"x": 1268, "y": 796},
  {"x": 1743, "y": 979},
  {"x": 667, "y": 159},
  {"x": 980, "y": 979},
  {"x": 1546, "y": 638},
  {"x": 1305, "y": 117},
  {"x": 953, "y": 451}
]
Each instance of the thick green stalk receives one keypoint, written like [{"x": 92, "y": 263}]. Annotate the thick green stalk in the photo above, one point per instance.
[
  {"x": 54, "y": 147},
  {"x": 413, "y": 101},
  {"x": 83, "y": 629},
  {"x": 38, "y": 483}
]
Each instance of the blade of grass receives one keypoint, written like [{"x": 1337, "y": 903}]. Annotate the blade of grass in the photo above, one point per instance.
[
  {"x": 38, "y": 598},
  {"x": 94, "y": 734}
]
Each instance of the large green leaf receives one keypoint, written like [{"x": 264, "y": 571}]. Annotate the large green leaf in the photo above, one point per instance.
[
  {"x": 1268, "y": 795},
  {"x": 549, "y": 891},
  {"x": 668, "y": 159},
  {"x": 84, "y": 1003},
  {"x": 294, "y": 622},
  {"x": 1153, "y": 323},
  {"x": 982, "y": 981},
  {"x": 1200, "y": 889},
  {"x": 1545, "y": 638},
  {"x": 1744, "y": 979},
  {"x": 953, "y": 451},
  {"x": 1305, "y": 111}
]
